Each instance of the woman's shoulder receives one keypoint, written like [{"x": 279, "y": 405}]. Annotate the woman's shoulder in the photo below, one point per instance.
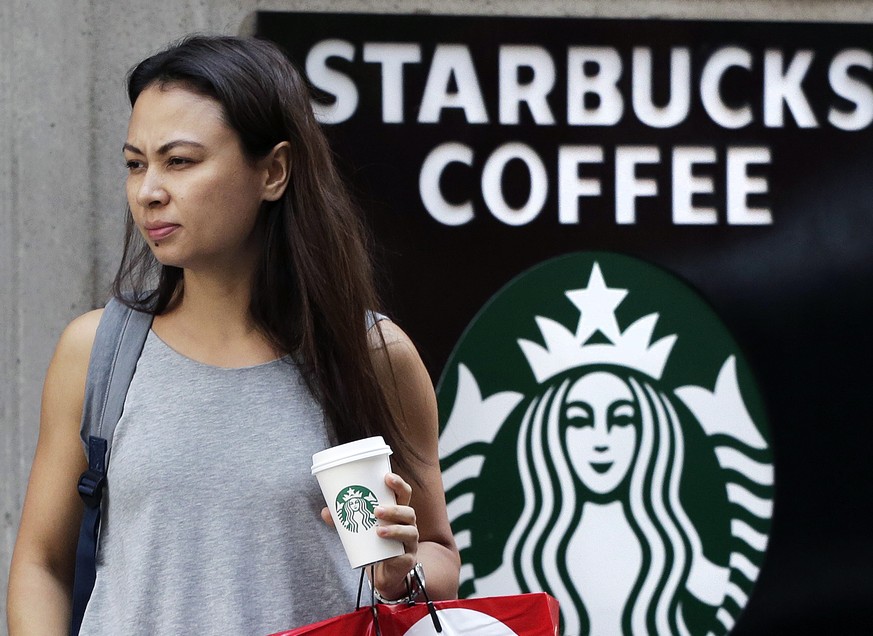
[
  {"x": 387, "y": 338},
  {"x": 81, "y": 330},
  {"x": 64, "y": 389},
  {"x": 77, "y": 339},
  {"x": 395, "y": 357}
]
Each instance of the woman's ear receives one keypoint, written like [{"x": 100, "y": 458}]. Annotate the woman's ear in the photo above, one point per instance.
[{"x": 277, "y": 164}]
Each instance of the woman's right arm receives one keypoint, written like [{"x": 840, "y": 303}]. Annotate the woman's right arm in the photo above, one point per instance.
[{"x": 43, "y": 562}]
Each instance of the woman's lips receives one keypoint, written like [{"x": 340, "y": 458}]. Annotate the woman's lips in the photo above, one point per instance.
[{"x": 160, "y": 231}]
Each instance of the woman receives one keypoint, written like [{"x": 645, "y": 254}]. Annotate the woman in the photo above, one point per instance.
[{"x": 257, "y": 357}]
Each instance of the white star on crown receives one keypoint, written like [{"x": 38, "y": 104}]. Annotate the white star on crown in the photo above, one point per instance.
[{"x": 597, "y": 303}]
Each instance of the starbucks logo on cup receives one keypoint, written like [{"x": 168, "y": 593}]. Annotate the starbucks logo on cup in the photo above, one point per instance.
[
  {"x": 355, "y": 508},
  {"x": 603, "y": 440}
]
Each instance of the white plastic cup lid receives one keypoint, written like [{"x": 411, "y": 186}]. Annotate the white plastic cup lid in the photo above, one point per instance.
[{"x": 352, "y": 451}]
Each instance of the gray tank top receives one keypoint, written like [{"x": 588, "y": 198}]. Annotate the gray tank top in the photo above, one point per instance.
[{"x": 211, "y": 520}]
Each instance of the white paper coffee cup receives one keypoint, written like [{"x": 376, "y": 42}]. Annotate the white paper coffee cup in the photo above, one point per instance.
[{"x": 352, "y": 480}]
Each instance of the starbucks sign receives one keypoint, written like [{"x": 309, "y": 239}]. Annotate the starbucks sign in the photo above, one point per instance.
[
  {"x": 730, "y": 154},
  {"x": 604, "y": 440}
]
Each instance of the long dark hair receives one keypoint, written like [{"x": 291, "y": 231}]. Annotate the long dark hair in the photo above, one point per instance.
[{"x": 314, "y": 281}]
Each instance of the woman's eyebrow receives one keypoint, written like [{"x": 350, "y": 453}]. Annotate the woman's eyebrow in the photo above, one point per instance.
[{"x": 167, "y": 147}]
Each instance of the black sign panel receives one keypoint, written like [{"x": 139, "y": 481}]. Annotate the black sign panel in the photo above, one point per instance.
[{"x": 732, "y": 154}]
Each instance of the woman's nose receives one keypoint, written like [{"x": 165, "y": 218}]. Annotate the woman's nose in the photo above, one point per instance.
[
  {"x": 601, "y": 426},
  {"x": 151, "y": 191}
]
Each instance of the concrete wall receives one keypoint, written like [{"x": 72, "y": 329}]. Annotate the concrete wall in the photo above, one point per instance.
[{"x": 62, "y": 121}]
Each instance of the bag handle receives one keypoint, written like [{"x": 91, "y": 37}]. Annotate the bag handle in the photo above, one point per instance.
[
  {"x": 431, "y": 608},
  {"x": 372, "y": 598}
]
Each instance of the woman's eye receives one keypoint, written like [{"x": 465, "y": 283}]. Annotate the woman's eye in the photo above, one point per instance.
[
  {"x": 578, "y": 415},
  {"x": 623, "y": 415},
  {"x": 133, "y": 164},
  {"x": 178, "y": 161}
]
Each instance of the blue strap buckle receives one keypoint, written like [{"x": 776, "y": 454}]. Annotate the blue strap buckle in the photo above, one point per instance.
[{"x": 91, "y": 487}]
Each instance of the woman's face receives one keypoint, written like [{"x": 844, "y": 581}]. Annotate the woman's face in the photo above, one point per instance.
[
  {"x": 600, "y": 433},
  {"x": 193, "y": 193}
]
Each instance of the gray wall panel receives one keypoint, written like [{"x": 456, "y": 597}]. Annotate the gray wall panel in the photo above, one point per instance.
[{"x": 11, "y": 465}]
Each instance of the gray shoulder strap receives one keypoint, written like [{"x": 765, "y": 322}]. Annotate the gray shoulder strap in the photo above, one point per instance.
[
  {"x": 117, "y": 347},
  {"x": 373, "y": 317}
]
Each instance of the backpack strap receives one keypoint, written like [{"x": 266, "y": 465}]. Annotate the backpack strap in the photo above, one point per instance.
[{"x": 117, "y": 346}]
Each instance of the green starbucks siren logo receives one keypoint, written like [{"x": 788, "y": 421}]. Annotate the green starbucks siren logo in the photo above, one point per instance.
[
  {"x": 603, "y": 440},
  {"x": 355, "y": 508}
]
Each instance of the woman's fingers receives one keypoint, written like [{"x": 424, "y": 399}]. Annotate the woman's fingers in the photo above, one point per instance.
[
  {"x": 391, "y": 573},
  {"x": 397, "y": 522},
  {"x": 325, "y": 516},
  {"x": 402, "y": 490}
]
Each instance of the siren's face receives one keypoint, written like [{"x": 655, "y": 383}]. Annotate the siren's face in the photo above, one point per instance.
[
  {"x": 354, "y": 504},
  {"x": 600, "y": 418}
]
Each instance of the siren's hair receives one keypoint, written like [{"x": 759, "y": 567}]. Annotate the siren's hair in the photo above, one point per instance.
[
  {"x": 541, "y": 537},
  {"x": 314, "y": 281}
]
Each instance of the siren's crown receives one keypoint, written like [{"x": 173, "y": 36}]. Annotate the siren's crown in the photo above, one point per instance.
[{"x": 564, "y": 350}]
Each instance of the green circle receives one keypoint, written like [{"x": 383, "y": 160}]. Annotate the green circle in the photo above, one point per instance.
[{"x": 489, "y": 348}]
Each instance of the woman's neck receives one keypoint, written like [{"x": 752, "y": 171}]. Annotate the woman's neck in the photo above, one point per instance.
[{"x": 211, "y": 323}]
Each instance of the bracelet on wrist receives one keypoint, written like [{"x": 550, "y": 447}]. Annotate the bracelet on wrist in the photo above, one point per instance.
[{"x": 414, "y": 586}]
